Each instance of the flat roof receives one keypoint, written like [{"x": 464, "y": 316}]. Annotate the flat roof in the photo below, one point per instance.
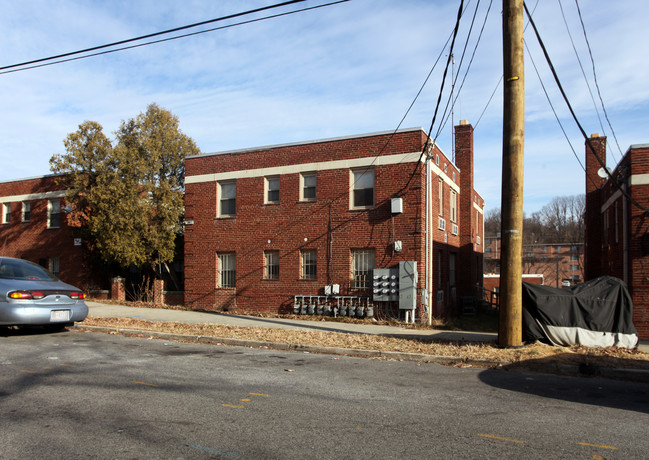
[{"x": 316, "y": 141}]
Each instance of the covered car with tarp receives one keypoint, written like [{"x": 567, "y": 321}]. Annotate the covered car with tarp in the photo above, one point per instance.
[{"x": 598, "y": 313}]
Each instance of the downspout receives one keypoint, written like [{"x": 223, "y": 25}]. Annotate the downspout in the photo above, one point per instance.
[
  {"x": 427, "y": 295},
  {"x": 625, "y": 235}
]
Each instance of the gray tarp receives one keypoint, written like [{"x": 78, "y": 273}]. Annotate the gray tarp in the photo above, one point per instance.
[{"x": 598, "y": 313}]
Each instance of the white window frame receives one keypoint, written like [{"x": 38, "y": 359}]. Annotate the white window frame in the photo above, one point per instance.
[
  {"x": 453, "y": 206},
  {"x": 363, "y": 262},
  {"x": 308, "y": 264},
  {"x": 271, "y": 186},
  {"x": 53, "y": 217},
  {"x": 226, "y": 185},
  {"x": 360, "y": 179},
  {"x": 440, "y": 197},
  {"x": 304, "y": 178},
  {"x": 6, "y": 213},
  {"x": 227, "y": 270},
  {"x": 26, "y": 211},
  {"x": 271, "y": 265}
]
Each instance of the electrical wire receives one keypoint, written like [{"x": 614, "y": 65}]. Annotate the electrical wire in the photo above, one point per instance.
[
  {"x": 43, "y": 62},
  {"x": 583, "y": 72},
  {"x": 439, "y": 97},
  {"x": 454, "y": 78},
  {"x": 471, "y": 61},
  {"x": 547, "y": 96},
  {"x": 574, "y": 116},
  {"x": 583, "y": 27}
]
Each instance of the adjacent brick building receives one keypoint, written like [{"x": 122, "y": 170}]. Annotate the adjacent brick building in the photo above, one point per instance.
[
  {"x": 264, "y": 225},
  {"x": 33, "y": 227},
  {"x": 617, "y": 222}
]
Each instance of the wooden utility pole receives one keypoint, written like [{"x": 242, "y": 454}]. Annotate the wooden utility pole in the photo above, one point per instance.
[{"x": 511, "y": 267}]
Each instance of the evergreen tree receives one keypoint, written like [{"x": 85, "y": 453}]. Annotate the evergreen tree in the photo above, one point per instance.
[{"x": 126, "y": 199}]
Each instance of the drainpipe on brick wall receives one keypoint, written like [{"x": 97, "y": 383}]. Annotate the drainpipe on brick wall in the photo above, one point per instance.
[
  {"x": 625, "y": 231},
  {"x": 426, "y": 296}
]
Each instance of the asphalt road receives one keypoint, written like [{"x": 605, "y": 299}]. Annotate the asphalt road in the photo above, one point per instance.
[{"x": 88, "y": 395}]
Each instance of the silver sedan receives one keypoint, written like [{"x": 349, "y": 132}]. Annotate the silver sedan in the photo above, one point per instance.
[{"x": 31, "y": 295}]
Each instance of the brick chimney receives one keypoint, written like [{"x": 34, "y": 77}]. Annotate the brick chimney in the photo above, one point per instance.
[
  {"x": 468, "y": 233},
  {"x": 593, "y": 217}
]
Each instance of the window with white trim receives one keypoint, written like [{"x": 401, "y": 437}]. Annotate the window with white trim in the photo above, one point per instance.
[
  {"x": 26, "y": 211},
  {"x": 227, "y": 199},
  {"x": 272, "y": 190},
  {"x": 362, "y": 266},
  {"x": 6, "y": 213},
  {"x": 362, "y": 188},
  {"x": 271, "y": 265},
  {"x": 308, "y": 187},
  {"x": 453, "y": 206},
  {"x": 441, "y": 197},
  {"x": 53, "y": 214},
  {"x": 308, "y": 264},
  {"x": 226, "y": 270}
]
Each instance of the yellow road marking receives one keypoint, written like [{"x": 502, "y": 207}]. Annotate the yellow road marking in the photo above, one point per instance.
[
  {"x": 68, "y": 365},
  {"x": 147, "y": 384},
  {"x": 259, "y": 394},
  {"x": 230, "y": 405},
  {"x": 245, "y": 400},
  {"x": 491, "y": 436},
  {"x": 27, "y": 372},
  {"x": 596, "y": 445}
]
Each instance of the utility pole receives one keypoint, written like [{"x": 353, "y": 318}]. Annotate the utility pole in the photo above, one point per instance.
[{"x": 511, "y": 267}]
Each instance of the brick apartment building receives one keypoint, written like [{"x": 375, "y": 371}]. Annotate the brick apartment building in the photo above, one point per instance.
[
  {"x": 617, "y": 223},
  {"x": 264, "y": 225},
  {"x": 33, "y": 227},
  {"x": 559, "y": 264}
]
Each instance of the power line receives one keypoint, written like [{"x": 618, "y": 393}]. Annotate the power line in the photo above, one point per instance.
[
  {"x": 466, "y": 73},
  {"x": 595, "y": 77},
  {"x": 583, "y": 72},
  {"x": 44, "y": 61},
  {"x": 439, "y": 97},
  {"x": 574, "y": 116}
]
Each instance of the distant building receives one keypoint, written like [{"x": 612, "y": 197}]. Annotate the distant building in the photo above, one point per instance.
[
  {"x": 264, "y": 225},
  {"x": 617, "y": 222},
  {"x": 559, "y": 264}
]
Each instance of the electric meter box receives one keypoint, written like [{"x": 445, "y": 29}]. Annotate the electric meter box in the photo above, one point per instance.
[
  {"x": 385, "y": 284},
  {"x": 408, "y": 285}
]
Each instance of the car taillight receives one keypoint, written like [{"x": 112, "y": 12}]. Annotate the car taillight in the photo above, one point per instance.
[
  {"x": 20, "y": 295},
  {"x": 26, "y": 295},
  {"x": 77, "y": 295}
]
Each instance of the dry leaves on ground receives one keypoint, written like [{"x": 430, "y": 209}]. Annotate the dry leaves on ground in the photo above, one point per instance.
[{"x": 538, "y": 354}]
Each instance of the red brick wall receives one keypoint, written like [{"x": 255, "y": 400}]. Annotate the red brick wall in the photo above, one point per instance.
[
  {"x": 639, "y": 242},
  {"x": 627, "y": 218},
  {"x": 327, "y": 225},
  {"x": 33, "y": 240}
]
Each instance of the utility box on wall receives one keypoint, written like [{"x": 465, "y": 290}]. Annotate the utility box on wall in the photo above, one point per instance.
[{"x": 408, "y": 285}]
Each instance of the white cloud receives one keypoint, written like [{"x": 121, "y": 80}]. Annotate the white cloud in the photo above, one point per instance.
[{"x": 340, "y": 70}]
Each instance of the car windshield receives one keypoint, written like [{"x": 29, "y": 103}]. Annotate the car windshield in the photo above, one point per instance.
[{"x": 14, "y": 269}]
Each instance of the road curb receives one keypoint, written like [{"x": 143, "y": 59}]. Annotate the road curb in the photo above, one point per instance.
[{"x": 634, "y": 375}]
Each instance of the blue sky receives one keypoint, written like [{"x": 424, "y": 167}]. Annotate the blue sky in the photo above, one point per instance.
[{"x": 346, "y": 69}]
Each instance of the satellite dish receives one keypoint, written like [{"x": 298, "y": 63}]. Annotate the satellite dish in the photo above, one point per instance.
[{"x": 604, "y": 173}]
